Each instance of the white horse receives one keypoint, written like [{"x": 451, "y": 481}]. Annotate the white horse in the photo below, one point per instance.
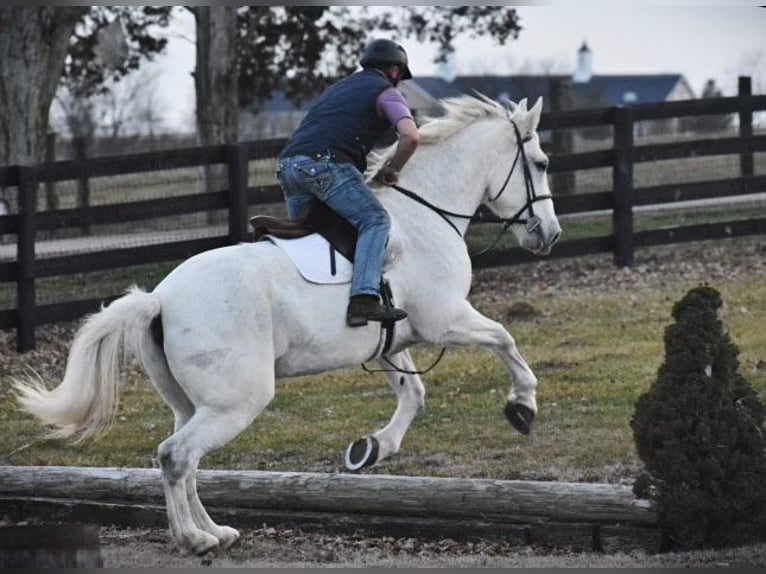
[{"x": 219, "y": 330}]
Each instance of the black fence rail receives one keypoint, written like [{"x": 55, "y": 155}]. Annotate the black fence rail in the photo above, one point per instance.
[{"x": 28, "y": 221}]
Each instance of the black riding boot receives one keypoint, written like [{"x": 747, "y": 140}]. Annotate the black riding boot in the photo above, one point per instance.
[{"x": 363, "y": 308}]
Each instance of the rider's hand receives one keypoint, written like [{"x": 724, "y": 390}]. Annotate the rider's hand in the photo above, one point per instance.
[{"x": 387, "y": 176}]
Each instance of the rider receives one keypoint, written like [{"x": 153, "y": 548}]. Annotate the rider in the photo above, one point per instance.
[{"x": 326, "y": 157}]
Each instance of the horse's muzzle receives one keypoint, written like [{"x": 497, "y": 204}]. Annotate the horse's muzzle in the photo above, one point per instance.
[
  {"x": 555, "y": 236},
  {"x": 545, "y": 239}
]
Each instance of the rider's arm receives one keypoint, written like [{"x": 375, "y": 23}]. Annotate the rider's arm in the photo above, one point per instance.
[
  {"x": 408, "y": 143},
  {"x": 392, "y": 105}
]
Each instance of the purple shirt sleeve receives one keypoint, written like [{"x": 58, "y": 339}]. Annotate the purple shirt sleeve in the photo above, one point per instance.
[{"x": 392, "y": 105}]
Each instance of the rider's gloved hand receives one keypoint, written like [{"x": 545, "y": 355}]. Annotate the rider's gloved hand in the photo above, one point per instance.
[{"x": 387, "y": 176}]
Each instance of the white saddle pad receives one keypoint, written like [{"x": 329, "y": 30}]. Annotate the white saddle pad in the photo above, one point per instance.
[{"x": 313, "y": 256}]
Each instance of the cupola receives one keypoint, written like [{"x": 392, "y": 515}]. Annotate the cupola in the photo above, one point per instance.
[{"x": 584, "y": 70}]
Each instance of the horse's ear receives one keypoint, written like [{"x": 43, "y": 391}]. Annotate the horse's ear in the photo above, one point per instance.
[
  {"x": 535, "y": 112},
  {"x": 528, "y": 120}
]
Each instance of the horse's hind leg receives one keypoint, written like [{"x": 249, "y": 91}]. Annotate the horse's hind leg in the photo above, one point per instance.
[
  {"x": 180, "y": 454},
  {"x": 226, "y": 402},
  {"x": 164, "y": 382},
  {"x": 168, "y": 388},
  {"x": 410, "y": 395},
  {"x": 226, "y": 535}
]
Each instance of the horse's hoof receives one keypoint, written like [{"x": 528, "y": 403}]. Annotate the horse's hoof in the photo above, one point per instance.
[
  {"x": 227, "y": 537},
  {"x": 200, "y": 543},
  {"x": 361, "y": 453},
  {"x": 520, "y": 417}
]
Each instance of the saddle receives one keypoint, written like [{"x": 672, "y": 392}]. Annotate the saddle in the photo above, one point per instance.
[
  {"x": 317, "y": 218},
  {"x": 342, "y": 236}
]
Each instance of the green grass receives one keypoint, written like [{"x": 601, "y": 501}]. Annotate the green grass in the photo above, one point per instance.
[{"x": 594, "y": 354}]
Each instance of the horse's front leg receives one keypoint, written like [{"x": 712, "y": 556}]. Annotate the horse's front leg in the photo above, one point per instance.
[
  {"x": 471, "y": 328},
  {"x": 410, "y": 396}
]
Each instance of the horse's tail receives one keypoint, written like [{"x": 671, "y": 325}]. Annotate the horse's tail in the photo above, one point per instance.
[{"x": 86, "y": 401}]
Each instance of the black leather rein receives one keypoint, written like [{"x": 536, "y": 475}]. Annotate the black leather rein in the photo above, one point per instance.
[{"x": 531, "y": 223}]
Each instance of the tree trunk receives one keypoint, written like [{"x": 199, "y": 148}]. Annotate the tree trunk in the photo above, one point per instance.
[
  {"x": 216, "y": 77},
  {"x": 33, "y": 45},
  {"x": 216, "y": 82}
]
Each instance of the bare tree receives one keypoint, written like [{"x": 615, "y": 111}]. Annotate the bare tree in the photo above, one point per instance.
[
  {"x": 128, "y": 107},
  {"x": 78, "y": 115},
  {"x": 148, "y": 112},
  {"x": 132, "y": 106}
]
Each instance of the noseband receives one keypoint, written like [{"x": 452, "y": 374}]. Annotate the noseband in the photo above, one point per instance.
[{"x": 531, "y": 223}]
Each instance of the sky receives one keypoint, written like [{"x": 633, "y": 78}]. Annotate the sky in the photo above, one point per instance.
[{"x": 700, "y": 41}]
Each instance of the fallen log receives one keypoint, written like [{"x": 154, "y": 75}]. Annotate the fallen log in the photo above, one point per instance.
[
  {"x": 508, "y": 500},
  {"x": 534, "y": 511}
]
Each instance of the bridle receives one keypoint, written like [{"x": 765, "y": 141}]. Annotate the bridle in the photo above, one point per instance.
[{"x": 531, "y": 223}]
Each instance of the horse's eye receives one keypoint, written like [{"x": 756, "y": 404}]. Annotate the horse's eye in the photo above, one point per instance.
[{"x": 541, "y": 165}]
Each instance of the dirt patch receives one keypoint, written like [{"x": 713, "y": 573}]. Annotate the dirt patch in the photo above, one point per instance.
[
  {"x": 522, "y": 311},
  {"x": 269, "y": 547}
]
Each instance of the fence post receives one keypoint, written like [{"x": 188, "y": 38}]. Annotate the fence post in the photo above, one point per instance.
[
  {"x": 622, "y": 178},
  {"x": 81, "y": 144},
  {"x": 236, "y": 159},
  {"x": 562, "y": 139},
  {"x": 26, "y": 297},
  {"x": 745, "y": 89}
]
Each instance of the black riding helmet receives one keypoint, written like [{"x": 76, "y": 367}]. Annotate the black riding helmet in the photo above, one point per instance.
[{"x": 385, "y": 52}]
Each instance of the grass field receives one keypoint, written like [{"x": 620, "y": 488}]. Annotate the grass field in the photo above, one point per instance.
[{"x": 594, "y": 347}]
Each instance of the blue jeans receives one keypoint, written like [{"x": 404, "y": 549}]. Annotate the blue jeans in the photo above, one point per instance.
[{"x": 342, "y": 187}]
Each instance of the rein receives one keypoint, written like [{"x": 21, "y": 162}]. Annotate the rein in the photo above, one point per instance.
[
  {"x": 396, "y": 369},
  {"x": 531, "y": 223}
]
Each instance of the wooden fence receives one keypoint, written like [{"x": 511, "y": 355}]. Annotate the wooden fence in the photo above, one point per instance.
[{"x": 620, "y": 200}]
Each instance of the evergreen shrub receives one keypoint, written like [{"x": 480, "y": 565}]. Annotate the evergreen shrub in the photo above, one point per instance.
[{"x": 699, "y": 432}]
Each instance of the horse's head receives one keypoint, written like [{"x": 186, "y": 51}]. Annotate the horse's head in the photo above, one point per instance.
[{"x": 518, "y": 188}]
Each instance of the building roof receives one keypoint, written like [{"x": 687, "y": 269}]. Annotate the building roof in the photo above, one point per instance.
[
  {"x": 502, "y": 88},
  {"x": 616, "y": 90},
  {"x": 601, "y": 90},
  {"x": 588, "y": 90}
]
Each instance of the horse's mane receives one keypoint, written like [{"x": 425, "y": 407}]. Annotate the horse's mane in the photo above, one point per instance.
[{"x": 459, "y": 112}]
